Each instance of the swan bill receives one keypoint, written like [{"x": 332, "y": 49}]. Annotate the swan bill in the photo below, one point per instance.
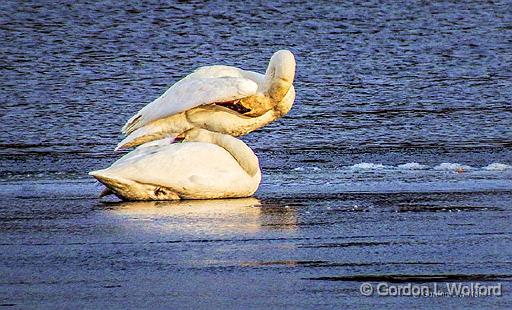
[{"x": 234, "y": 105}]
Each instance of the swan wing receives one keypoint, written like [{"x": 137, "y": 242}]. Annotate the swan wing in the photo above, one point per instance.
[
  {"x": 226, "y": 71},
  {"x": 192, "y": 91}
]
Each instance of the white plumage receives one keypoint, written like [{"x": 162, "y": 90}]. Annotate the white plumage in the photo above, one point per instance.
[
  {"x": 193, "y": 91},
  {"x": 206, "y": 165},
  {"x": 208, "y": 108},
  {"x": 194, "y": 102}
]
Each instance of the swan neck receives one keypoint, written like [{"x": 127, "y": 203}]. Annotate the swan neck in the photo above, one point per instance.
[
  {"x": 240, "y": 151},
  {"x": 278, "y": 111},
  {"x": 285, "y": 105}
]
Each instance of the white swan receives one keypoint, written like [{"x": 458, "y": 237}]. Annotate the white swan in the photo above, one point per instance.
[
  {"x": 206, "y": 165},
  {"x": 218, "y": 98}
]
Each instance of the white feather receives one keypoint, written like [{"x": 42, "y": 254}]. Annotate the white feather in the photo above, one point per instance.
[
  {"x": 190, "y": 102},
  {"x": 189, "y": 170},
  {"x": 144, "y": 133},
  {"x": 191, "y": 92}
]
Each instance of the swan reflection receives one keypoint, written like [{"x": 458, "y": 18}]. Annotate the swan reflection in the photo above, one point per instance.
[{"x": 216, "y": 216}]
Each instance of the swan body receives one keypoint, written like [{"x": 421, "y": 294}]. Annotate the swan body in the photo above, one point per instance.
[
  {"x": 217, "y": 98},
  {"x": 206, "y": 165}
]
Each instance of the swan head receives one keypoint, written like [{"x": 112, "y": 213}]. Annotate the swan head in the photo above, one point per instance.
[
  {"x": 277, "y": 83},
  {"x": 281, "y": 67}
]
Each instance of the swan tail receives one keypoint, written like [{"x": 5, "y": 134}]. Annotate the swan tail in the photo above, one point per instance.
[
  {"x": 127, "y": 189},
  {"x": 144, "y": 135},
  {"x": 105, "y": 192},
  {"x": 115, "y": 184},
  {"x": 146, "y": 115},
  {"x": 132, "y": 124}
]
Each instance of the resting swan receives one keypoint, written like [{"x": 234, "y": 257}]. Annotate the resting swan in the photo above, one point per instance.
[
  {"x": 217, "y": 98},
  {"x": 205, "y": 165}
]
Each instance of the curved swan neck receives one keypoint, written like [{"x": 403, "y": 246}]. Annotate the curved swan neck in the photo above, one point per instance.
[
  {"x": 285, "y": 105},
  {"x": 240, "y": 151},
  {"x": 237, "y": 148},
  {"x": 279, "y": 75},
  {"x": 281, "y": 109}
]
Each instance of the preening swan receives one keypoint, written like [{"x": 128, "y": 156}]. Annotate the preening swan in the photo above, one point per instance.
[
  {"x": 218, "y": 98},
  {"x": 205, "y": 165}
]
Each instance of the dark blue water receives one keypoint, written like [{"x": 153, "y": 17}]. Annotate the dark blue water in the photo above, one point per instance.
[{"x": 359, "y": 178}]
